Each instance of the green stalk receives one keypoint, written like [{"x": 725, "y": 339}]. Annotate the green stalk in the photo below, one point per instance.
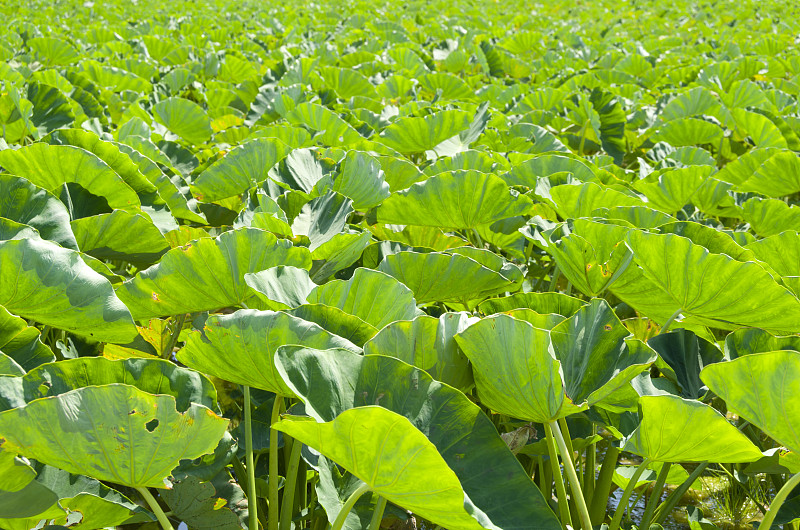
[
  {"x": 669, "y": 503},
  {"x": 241, "y": 474},
  {"x": 589, "y": 469},
  {"x": 377, "y": 515},
  {"x": 301, "y": 497},
  {"x": 348, "y": 505},
  {"x": 626, "y": 496},
  {"x": 478, "y": 239},
  {"x": 655, "y": 497},
  {"x": 669, "y": 322},
  {"x": 173, "y": 339},
  {"x": 554, "y": 278},
  {"x": 563, "y": 508},
  {"x": 252, "y": 498},
  {"x": 290, "y": 486},
  {"x": 569, "y": 467},
  {"x": 778, "y": 501},
  {"x": 273, "y": 463},
  {"x": 603, "y": 485},
  {"x": 540, "y": 472},
  {"x": 153, "y": 503}
]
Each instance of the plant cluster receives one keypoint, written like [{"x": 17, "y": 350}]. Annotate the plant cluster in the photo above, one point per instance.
[{"x": 364, "y": 264}]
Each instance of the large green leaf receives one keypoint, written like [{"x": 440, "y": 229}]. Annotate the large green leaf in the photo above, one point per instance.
[
  {"x": 515, "y": 369},
  {"x": 763, "y": 389},
  {"x": 395, "y": 460},
  {"x": 459, "y": 199},
  {"x": 439, "y": 277},
  {"x": 126, "y": 436},
  {"x": 155, "y": 376},
  {"x": 240, "y": 347},
  {"x": 416, "y": 135},
  {"x": 52, "y": 166},
  {"x": 330, "y": 382},
  {"x": 22, "y": 342},
  {"x": 679, "y": 430},
  {"x": 52, "y": 285},
  {"x": 281, "y": 287},
  {"x": 712, "y": 289},
  {"x": 184, "y": 118},
  {"x": 683, "y": 355},
  {"x": 427, "y": 343},
  {"x": 31, "y": 205},
  {"x": 208, "y": 274},
  {"x": 244, "y": 167},
  {"x": 372, "y": 296},
  {"x": 598, "y": 357},
  {"x": 362, "y": 180},
  {"x": 120, "y": 235},
  {"x": 322, "y": 218}
]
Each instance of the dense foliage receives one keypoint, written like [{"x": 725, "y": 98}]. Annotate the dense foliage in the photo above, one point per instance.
[{"x": 466, "y": 265}]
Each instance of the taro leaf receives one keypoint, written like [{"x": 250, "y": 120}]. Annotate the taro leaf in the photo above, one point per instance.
[
  {"x": 372, "y": 296},
  {"x": 362, "y": 180},
  {"x": 141, "y": 455},
  {"x": 154, "y": 376},
  {"x": 674, "y": 429},
  {"x": 8, "y": 366},
  {"x": 184, "y": 118},
  {"x": 281, "y": 287},
  {"x": 515, "y": 369},
  {"x": 32, "y": 500},
  {"x": 22, "y": 342},
  {"x": 52, "y": 285},
  {"x": 685, "y": 355},
  {"x": 239, "y": 347},
  {"x": 439, "y": 277},
  {"x": 263, "y": 212},
  {"x": 528, "y": 172},
  {"x": 582, "y": 200},
  {"x": 120, "y": 235},
  {"x": 25, "y": 203},
  {"x": 416, "y": 135},
  {"x": 322, "y": 218},
  {"x": 638, "y": 216},
  {"x": 781, "y": 252},
  {"x": 461, "y": 142},
  {"x": 543, "y": 303},
  {"x": 52, "y": 166},
  {"x": 340, "y": 252},
  {"x": 428, "y": 344},
  {"x": 243, "y": 168},
  {"x": 769, "y": 217},
  {"x": 777, "y": 176},
  {"x": 459, "y": 200},
  {"x": 330, "y": 382},
  {"x": 337, "y": 322},
  {"x": 671, "y": 189},
  {"x": 762, "y": 388},
  {"x": 746, "y": 341},
  {"x": 333, "y": 129},
  {"x": 301, "y": 170},
  {"x": 15, "y": 473},
  {"x": 395, "y": 459},
  {"x": 591, "y": 255},
  {"x": 108, "y": 152},
  {"x": 195, "y": 503},
  {"x": 713, "y": 289},
  {"x": 597, "y": 358},
  {"x": 208, "y": 273}
]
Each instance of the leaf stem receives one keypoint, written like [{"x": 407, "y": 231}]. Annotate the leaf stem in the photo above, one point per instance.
[
  {"x": 348, "y": 505},
  {"x": 778, "y": 501},
  {"x": 153, "y": 503},
  {"x": 569, "y": 467},
  {"x": 377, "y": 515},
  {"x": 273, "y": 463},
  {"x": 605, "y": 480},
  {"x": 290, "y": 486},
  {"x": 669, "y": 322},
  {"x": 173, "y": 339},
  {"x": 561, "y": 491},
  {"x": 626, "y": 496},
  {"x": 252, "y": 498},
  {"x": 663, "y": 510},
  {"x": 655, "y": 497}
]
